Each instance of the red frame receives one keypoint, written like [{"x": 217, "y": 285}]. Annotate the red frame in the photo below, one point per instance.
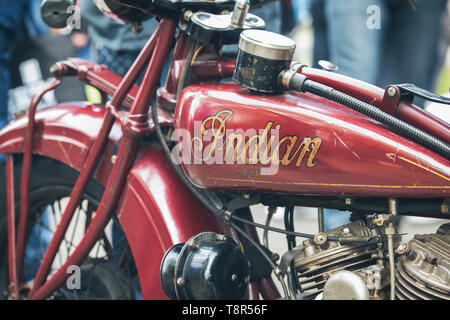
[
  {"x": 173, "y": 218},
  {"x": 134, "y": 125},
  {"x": 134, "y": 128}
]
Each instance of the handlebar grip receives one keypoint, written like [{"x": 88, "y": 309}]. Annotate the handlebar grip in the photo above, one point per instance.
[{"x": 55, "y": 13}]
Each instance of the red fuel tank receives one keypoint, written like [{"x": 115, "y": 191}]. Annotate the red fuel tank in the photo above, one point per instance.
[{"x": 229, "y": 139}]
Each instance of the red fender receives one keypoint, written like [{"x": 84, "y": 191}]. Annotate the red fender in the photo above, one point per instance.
[{"x": 156, "y": 209}]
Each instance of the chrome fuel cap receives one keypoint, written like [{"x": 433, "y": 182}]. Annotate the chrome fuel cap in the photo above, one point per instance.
[
  {"x": 266, "y": 44},
  {"x": 261, "y": 57}
]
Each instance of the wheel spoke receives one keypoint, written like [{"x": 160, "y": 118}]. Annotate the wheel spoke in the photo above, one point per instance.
[
  {"x": 41, "y": 245},
  {"x": 36, "y": 253},
  {"x": 55, "y": 224},
  {"x": 50, "y": 230},
  {"x": 108, "y": 249},
  {"x": 74, "y": 229}
]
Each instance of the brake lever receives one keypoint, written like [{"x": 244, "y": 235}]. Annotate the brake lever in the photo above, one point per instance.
[{"x": 409, "y": 91}]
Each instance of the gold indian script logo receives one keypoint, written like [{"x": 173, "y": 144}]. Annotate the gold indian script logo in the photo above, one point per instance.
[{"x": 239, "y": 147}]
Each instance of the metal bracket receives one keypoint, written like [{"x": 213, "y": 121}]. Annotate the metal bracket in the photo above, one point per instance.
[
  {"x": 407, "y": 92},
  {"x": 391, "y": 99},
  {"x": 411, "y": 91}
]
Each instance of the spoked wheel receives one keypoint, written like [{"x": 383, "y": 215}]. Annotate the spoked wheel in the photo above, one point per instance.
[{"x": 108, "y": 272}]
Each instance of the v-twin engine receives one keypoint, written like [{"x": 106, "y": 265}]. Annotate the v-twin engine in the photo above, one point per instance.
[
  {"x": 423, "y": 273},
  {"x": 360, "y": 269}
]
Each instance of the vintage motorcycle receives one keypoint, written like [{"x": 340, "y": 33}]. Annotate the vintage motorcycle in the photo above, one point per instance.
[{"x": 148, "y": 193}]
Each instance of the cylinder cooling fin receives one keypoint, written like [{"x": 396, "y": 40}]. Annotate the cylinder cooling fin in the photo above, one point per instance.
[
  {"x": 423, "y": 273},
  {"x": 316, "y": 263}
]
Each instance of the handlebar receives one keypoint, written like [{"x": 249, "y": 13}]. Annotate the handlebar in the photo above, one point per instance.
[
  {"x": 172, "y": 9},
  {"x": 56, "y": 13}
]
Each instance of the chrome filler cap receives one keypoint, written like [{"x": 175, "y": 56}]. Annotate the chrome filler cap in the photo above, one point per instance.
[{"x": 266, "y": 44}]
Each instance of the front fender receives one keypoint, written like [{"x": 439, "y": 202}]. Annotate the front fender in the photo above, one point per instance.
[{"x": 156, "y": 209}]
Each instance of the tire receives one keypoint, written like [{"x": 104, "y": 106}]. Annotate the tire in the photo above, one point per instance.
[{"x": 108, "y": 272}]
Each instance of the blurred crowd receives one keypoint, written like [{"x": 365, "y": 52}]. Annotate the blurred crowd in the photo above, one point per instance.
[{"x": 383, "y": 41}]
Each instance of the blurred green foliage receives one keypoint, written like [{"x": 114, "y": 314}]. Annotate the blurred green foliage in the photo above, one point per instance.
[{"x": 443, "y": 85}]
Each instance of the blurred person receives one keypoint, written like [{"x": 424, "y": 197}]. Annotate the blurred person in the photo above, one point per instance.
[
  {"x": 319, "y": 25},
  {"x": 384, "y": 41},
  {"x": 288, "y": 21},
  {"x": 11, "y": 19},
  {"x": 112, "y": 43},
  {"x": 14, "y": 15},
  {"x": 381, "y": 42},
  {"x": 32, "y": 53}
]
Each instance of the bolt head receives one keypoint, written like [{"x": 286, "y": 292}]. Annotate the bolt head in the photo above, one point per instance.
[
  {"x": 378, "y": 222},
  {"x": 193, "y": 245},
  {"x": 277, "y": 271},
  {"x": 187, "y": 15},
  {"x": 320, "y": 238},
  {"x": 391, "y": 92},
  {"x": 402, "y": 248},
  {"x": 181, "y": 282},
  {"x": 221, "y": 237},
  {"x": 328, "y": 66}
]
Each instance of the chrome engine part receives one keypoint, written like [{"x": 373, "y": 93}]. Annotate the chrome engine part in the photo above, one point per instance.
[
  {"x": 363, "y": 284},
  {"x": 345, "y": 285},
  {"x": 423, "y": 272},
  {"x": 331, "y": 270},
  {"x": 316, "y": 263}
]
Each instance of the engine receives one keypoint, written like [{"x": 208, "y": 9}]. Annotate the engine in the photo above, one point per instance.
[
  {"x": 423, "y": 272},
  {"x": 359, "y": 269}
]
